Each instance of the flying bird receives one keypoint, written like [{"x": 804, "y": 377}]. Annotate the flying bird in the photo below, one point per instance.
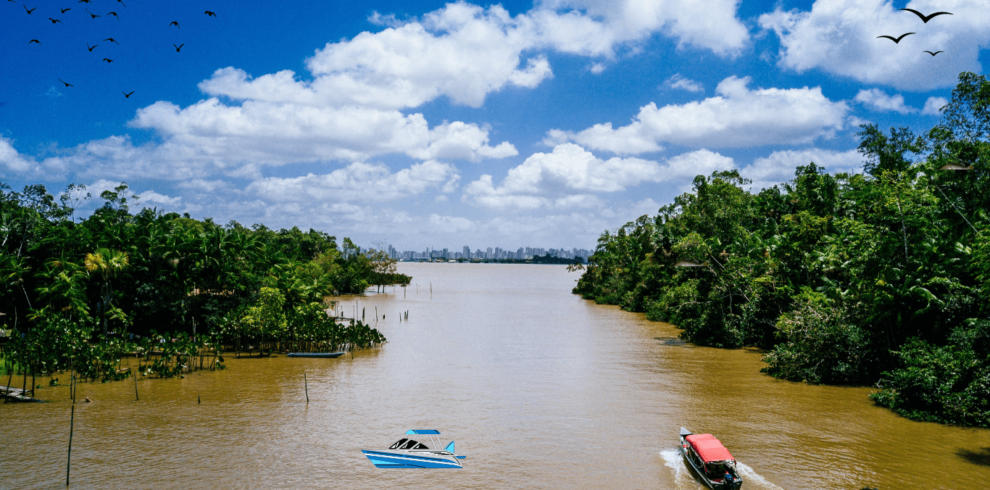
[
  {"x": 926, "y": 18},
  {"x": 67, "y": 84},
  {"x": 34, "y": 41},
  {"x": 174, "y": 22},
  {"x": 29, "y": 11},
  {"x": 54, "y": 21},
  {"x": 114, "y": 14},
  {"x": 127, "y": 95},
  {"x": 84, "y": 1},
  {"x": 91, "y": 14},
  {"x": 121, "y": 2},
  {"x": 91, "y": 48},
  {"x": 935, "y": 53},
  {"x": 896, "y": 40},
  {"x": 112, "y": 40},
  {"x": 210, "y": 13},
  {"x": 108, "y": 60},
  {"x": 177, "y": 48},
  {"x": 65, "y": 10}
]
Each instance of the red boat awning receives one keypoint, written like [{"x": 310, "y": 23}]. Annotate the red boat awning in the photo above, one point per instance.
[{"x": 709, "y": 448}]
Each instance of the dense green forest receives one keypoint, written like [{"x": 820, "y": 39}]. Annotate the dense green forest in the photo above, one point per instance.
[
  {"x": 77, "y": 293},
  {"x": 877, "y": 278}
]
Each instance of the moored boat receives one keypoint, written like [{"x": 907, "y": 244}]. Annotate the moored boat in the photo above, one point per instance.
[
  {"x": 410, "y": 453},
  {"x": 710, "y": 460},
  {"x": 318, "y": 355}
]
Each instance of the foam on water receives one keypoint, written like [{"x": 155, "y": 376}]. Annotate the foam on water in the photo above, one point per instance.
[
  {"x": 753, "y": 479},
  {"x": 684, "y": 478}
]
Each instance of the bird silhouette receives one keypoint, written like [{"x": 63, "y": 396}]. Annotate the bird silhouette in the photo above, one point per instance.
[
  {"x": 65, "y": 10},
  {"x": 209, "y": 13},
  {"x": 91, "y": 48},
  {"x": 177, "y": 48},
  {"x": 34, "y": 41},
  {"x": 54, "y": 21},
  {"x": 67, "y": 84},
  {"x": 896, "y": 40},
  {"x": 174, "y": 22},
  {"x": 112, "y": 40},
  {"x": 29, "y": 11},
  {"x": 108, "y": 60},
  {"x": 114, "y": 14},
  {"x": 121, "y": 2},
  {"x": 91, "y": 14},
  {"x": 84, "y": 1},
  {"x": 127, "y": 95},
  {"x": 926, "y": 18},
  {"x": 935, "y": 53}
]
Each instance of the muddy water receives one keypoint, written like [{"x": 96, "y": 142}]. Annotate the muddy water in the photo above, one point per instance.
[{"x": 539, "y": 388}]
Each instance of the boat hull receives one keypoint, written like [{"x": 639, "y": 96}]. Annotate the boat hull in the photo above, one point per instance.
[
  {"x": 399, "y": 459},
  {"x": 315, "y": 355}
]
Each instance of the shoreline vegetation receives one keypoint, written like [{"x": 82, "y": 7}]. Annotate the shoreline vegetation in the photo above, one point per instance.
[
  {"x": 78, "y": 295},
  {"x": 879, "y": 278}
]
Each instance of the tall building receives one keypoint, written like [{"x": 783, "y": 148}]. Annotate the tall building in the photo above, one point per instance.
[{"x": 467, "y": 252}]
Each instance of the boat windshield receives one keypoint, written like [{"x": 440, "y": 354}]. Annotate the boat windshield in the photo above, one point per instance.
[{"x": 408, "y": 444}]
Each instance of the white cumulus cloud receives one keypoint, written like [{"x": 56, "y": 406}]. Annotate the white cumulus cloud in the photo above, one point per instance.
[
  {"x": 934, "y": 105},
  {"x": 711, "y": 25},
  {"x": 840, "y": 37},
  {"x": 12, "y": 160},
  {"x": 678, "y": 82},
  {"x": 736, "y": 117},
  {"x": 570, "y": 176},
  {"x": 781, "y": 165},
  {"x": 879, "y": 100},
  {"x": 355, "y": 183}
]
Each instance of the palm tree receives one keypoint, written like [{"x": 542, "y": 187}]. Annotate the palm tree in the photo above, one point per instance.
[{"x": 107, "y": 264}]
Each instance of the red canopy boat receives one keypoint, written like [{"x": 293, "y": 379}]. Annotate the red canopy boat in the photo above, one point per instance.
[{"x": 710, "y": 460}]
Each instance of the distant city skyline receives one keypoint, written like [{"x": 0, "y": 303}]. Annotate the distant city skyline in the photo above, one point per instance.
[{"x": 490, "y": 253}]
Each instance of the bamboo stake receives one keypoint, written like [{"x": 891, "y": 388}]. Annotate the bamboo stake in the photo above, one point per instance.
[
  {"x": 199, "y": 399},
  {"x": 136, "y": 397},
  {"x": 10, "y": 377},
  {"x": 306, "y": 384},
  {"x": 68, "y": 461}
]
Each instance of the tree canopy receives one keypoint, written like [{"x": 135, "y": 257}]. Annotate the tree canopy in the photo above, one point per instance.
[{"x": 879, "y": 277}]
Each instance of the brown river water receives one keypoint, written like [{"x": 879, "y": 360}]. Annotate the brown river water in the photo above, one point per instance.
[{"x": 539, "y": 388}]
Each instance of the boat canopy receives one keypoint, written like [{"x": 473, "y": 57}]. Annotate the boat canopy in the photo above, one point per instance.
[
  {"x": 423, "y": 431},
  {"x": 709, "y": 448}
]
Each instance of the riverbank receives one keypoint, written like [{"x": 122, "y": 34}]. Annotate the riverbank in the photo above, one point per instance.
[{"x": 500, "y": 356}]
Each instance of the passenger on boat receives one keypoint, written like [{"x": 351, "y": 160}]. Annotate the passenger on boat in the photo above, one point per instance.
[{"x": 729, "y": 480}]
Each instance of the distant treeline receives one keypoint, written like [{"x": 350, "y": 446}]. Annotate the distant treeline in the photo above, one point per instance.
[
  {"x": 98, "y": 284},
  {"x": 880, "y": 278}
]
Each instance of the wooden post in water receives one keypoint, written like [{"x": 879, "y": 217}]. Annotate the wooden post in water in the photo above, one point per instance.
[
  {"x": 136, "y": 397},
  {"x": 306, "y": 384},
  {"x": 68, "y": 461},
  {"x": 10, "y": 377},
  {"x": 199, "y": 399}
]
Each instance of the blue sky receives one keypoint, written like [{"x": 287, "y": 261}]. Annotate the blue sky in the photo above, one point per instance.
[{"x": 448, "y": 124}]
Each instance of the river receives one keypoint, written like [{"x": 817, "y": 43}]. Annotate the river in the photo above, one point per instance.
[{"x": 539, "y": 388}]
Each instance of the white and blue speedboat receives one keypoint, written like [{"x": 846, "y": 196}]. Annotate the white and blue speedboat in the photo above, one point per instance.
[{"x": 410, "y": 453}]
